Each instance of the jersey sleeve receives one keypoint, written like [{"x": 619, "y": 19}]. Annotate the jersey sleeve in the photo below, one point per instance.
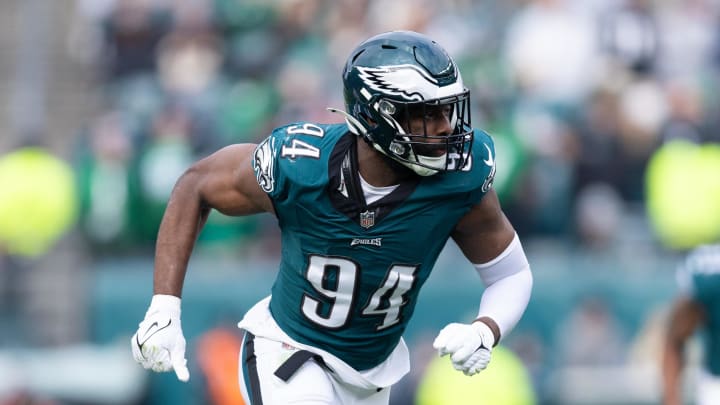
[
  {"x": 699, "y": 275},
  {"x": 293, "y": 159},
  {"x": 265, "y": 164},
  {"x": 484, "y": 153},
  {"x": 684, "y": 279}
]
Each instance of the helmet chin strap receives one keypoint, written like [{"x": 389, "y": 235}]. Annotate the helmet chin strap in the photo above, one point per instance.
[
  {"x": 438, "y": 162},
  {"x": 421, "y": 170}
]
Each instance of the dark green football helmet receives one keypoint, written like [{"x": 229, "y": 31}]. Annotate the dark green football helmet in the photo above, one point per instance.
[{"x": 393, "y": 76}]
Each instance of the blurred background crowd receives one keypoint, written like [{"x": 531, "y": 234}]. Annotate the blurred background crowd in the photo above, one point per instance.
[{"x": 605, "y": 114}]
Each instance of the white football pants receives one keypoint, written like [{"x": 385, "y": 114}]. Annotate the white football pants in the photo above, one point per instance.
[{"x": 309, "y": 381}]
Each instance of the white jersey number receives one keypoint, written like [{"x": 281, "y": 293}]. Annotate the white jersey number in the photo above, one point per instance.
[
  {"x": 300, "y": 148},
  {"x": 335, "y": 278}
]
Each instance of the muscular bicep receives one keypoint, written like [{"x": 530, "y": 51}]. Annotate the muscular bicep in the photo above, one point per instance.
[
  {"x": 484, "y": 232},
  {"x": 226, "y": 182}
]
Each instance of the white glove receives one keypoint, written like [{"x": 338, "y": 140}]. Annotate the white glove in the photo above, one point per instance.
[
  {"x": 159, "y": 343},
  {"x": 469, "y": 346}
]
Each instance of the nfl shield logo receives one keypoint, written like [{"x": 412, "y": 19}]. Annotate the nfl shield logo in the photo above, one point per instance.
[{"x": 367, "y": 219}]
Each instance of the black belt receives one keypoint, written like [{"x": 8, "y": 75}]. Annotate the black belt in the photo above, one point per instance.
[{"x": 295, "y": 361}]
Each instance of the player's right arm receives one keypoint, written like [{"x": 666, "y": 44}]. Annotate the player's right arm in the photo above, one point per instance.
[
  {"x": 224, "y": 181},
  {"x": 686, "y": 315}
]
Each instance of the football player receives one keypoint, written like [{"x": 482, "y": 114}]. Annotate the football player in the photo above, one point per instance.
[
  {"x": 365, "y": 208},
  {"x": 697, "y": 308}
]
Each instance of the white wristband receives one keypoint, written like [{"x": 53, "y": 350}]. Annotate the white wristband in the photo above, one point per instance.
[{"x": 486, "y": 334}]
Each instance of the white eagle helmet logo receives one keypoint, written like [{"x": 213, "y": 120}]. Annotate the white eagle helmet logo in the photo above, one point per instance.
[{"x": 407, "y": 81}]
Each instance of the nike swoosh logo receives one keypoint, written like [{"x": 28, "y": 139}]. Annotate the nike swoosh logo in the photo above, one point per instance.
[
  {"x": 490, "y": 161},
  {"x": 150, "y": 333}
]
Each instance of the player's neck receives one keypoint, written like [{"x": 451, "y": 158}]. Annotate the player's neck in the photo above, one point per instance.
[{"x": 375, "y": 168}]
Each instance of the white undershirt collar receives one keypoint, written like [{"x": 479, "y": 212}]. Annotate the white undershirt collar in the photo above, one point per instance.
[{"x": 373, "y": 193}]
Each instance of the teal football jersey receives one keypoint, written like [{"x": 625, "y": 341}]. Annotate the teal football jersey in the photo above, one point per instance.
[
  {"x": 700, "y": 275},
  {"x": 350, "y": 272}
]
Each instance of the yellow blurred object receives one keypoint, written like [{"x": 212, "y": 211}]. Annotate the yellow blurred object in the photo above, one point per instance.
[
  {"x": 683, "y": 194},
  {"x": 38, "y": 203},
  {"x": 504, "y": 382}
]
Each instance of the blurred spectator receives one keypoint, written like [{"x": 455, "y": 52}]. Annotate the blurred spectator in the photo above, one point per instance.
[
  {"x": 348, "y": 23},
  {"x": 551, "y": 52},
  {"x": 642, "y": 111},
  {"x": 600, "y": 157},
  {"x": 163, "y": 158},
  {"x": 252, "y": 44},
  {"x": 630, "y": 35},
  {"x": 190, "y": 56},
  {"x": 544, "y": 196},
  {"x": 685, "y": 119},
  {"x": 190, "y": 76},
  {"x": 591, "y": 335},
  {"x": 298, "y": 19},
  {"x": 689, "y": 30},
  {"x": 108, "y": 196},
  {"x": 387, "y": 15},
  {"x": 246, "y": 111},
  {"x": 132, "y": 31},
  {"x": 598, "y": 214}
]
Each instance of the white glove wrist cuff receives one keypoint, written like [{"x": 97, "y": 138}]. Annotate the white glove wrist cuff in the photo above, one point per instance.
[
  {"x": 486, "y": 334},
  {"x": 165, "y": 303}
]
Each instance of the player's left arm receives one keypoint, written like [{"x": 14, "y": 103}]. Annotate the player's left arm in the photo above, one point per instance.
[{"x": 488, "y": 240}]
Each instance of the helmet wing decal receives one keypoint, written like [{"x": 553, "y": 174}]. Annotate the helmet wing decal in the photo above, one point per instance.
[{"x": 406, "y": 81}]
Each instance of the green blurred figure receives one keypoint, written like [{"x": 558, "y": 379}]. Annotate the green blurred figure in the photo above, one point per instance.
[{"x": 504, "y": 382}]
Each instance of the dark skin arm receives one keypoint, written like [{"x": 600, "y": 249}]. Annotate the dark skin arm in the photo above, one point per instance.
[
  {"x": 224, "y": 181},
  {"x": 482, "y": 234},
  {"x": 686, "y": 316}
]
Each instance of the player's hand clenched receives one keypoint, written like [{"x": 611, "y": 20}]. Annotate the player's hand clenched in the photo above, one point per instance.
[
  {"x": 159, "y": 343},
  {"x": 469, "y": 346}
]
